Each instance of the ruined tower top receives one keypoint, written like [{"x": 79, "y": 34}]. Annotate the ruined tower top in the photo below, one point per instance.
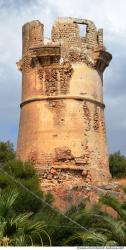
[{"x": 67, "y": 42}]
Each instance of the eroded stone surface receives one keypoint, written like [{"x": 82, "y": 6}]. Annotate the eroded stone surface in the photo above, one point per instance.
[{"x": 62, "y": 128}]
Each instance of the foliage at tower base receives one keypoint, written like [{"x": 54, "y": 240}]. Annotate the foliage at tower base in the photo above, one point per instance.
[
  {"x": 98, "y": 227},
  {"x": 26, "y": 220},
  {"x": 19, "y": 229},
  {"x": 19, "y": 207}
]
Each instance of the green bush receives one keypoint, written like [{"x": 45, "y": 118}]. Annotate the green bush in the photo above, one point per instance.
[
  {"x": 19, "y": 229},
  {"x": 21, "y": 170},
  {"x": 25, "y": 174},
  {"x": 6, "y": 151},
  {"x": 117, "y": 164}
]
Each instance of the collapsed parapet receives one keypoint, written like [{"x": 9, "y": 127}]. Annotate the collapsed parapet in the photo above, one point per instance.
[
  {"x": 78, "y": 48},
  {"x": 66, "y": 44}
]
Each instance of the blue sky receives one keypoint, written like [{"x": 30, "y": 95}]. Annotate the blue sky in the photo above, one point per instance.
[{"x": 107, "y": 14}]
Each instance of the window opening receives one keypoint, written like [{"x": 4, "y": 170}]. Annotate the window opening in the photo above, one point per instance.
[{"x": 82, "y": 29}]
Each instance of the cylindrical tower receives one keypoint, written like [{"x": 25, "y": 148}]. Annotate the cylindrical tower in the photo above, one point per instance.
[{"x": 62, "y": 127}]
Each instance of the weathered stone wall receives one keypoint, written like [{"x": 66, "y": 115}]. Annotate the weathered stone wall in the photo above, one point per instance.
[
  {"x": 62, "y": 127},
  {"x": 32, "y": 34},
  {"x": 75, "y": 47},
  {"x": 66, "y": 30}
]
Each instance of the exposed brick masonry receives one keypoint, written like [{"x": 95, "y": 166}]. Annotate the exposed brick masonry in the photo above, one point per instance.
[{"x": 62, "y": 128}]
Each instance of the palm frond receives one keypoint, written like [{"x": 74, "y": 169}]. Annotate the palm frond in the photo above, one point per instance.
[
  {"x": 90, "y": 238},
  {"x": 114, "y": 203},
  {"x": 34, "y": 227},
  {"x": 115, "y": 227},
  {"x": 7, "y": 200},
  {"x": 50, "y": 242},
  {"x": 41, "y": 241},
  {"x": 111, "y": 243},
  {"x": 21, "y": 219}
]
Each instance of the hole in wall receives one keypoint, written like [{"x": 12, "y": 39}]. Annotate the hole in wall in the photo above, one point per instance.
[{"x": 82, "y": 29}]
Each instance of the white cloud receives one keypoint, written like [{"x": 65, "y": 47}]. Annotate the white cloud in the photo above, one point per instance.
[{"x": 106, "y": 13}]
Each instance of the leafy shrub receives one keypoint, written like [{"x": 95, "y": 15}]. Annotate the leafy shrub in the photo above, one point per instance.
[
  {"x": 19, "y": 229},
  {"x": 25, "y": 174},
  {"x": 117, "y": 164},
  {"x": 19, "y": 169},
  {"x": 6, "y": 151}
]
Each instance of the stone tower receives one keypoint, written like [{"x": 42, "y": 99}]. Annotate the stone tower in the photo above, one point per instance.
[{"x": 62, "y": 127}]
